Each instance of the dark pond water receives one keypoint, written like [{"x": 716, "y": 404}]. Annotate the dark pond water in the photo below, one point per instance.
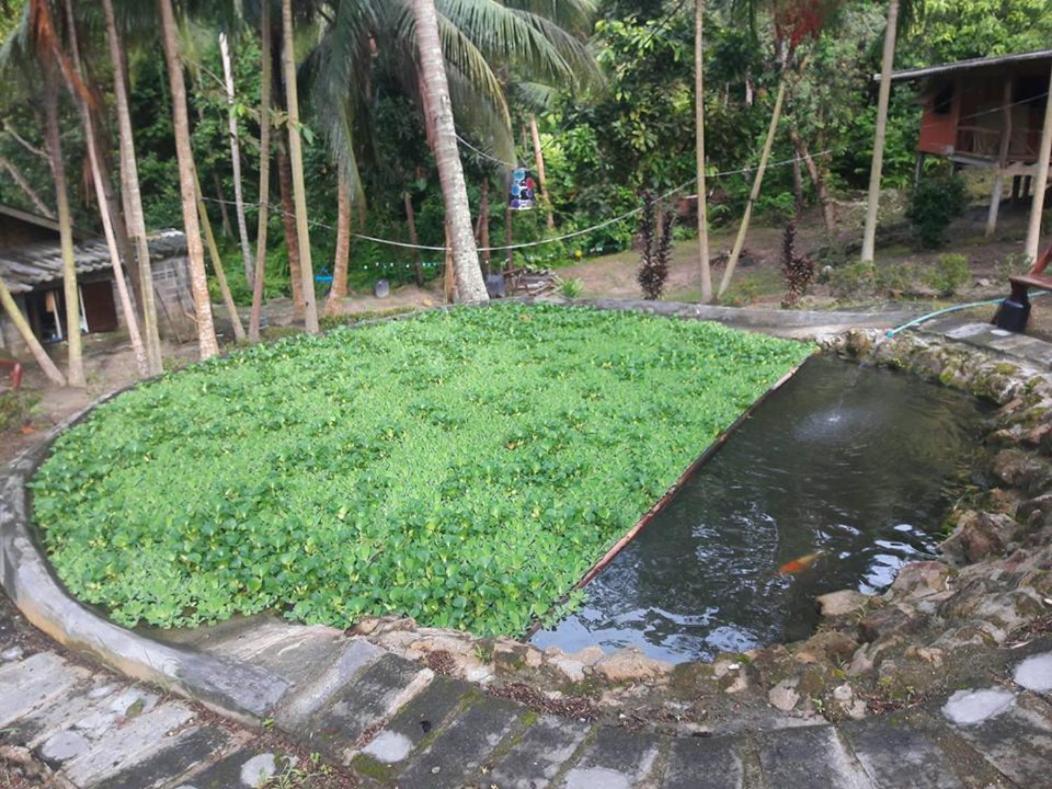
[{"x": 858, "y": 464}]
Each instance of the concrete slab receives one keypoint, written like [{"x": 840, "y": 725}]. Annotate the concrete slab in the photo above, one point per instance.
[
  {"x": 458, "y": 752},
  {"x": 705, "y": 763},
  {"x": 58, "y": 714},
  {"x": 1017, "y": 742},
  {"x": 809, "y": 756},
  {"x": 371, "y": 697},
  {"x": 31, "y": 683},
  {"x": 175, "y": 757},
  {"x": 541, "y": 753},
  {"x": 419, "y": 720},
  {"x": 138, "y": 739},
  {"x": 614, "y": 758},
  {"x": 356, "y": 656},
  {"x": 242, "y": 769},
  {"x": 895, "y": 754}
]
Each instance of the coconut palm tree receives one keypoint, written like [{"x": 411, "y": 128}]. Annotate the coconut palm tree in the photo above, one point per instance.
[
  {"x": 699, "y": 109},
  {"x": 483, "y": 43},
  {"x": 38, "y": 22},
  {"x": 131, "y": 193},
  {"x": 299, "y": 189},
  {"x": 207, "y": 342},
  {"x": 264, "y": 172},
  {"x": 75, "y": 83},
  {"x": 435, "y": 88}
]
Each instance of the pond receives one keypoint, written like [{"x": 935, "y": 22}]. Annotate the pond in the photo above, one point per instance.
[{"x": 844, "y": 475}]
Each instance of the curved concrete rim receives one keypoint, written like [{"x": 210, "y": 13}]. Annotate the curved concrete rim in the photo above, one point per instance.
[{"x": 238, "y": 690}]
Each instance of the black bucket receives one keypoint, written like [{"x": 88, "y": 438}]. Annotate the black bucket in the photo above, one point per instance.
[{"x": 1014, "y": 313}]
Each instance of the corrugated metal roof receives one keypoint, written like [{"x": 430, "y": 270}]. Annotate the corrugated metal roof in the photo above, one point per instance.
[
  {"x": 27, "y": 267},
  {"x": 968, "y": 65}
]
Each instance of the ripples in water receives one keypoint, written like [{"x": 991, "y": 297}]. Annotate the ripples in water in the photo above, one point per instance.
[{"x": 858, "y": 465}]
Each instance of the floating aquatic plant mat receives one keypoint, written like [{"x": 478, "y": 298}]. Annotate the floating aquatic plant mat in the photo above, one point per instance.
[{"x": 465, "y": 468}]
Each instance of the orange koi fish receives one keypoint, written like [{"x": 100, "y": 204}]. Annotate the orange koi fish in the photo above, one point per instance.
[{"x": 799, "y": 564}]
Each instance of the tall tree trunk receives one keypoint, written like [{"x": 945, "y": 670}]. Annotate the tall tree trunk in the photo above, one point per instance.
[
  {"x": 264, "y": 174},
  {"x": 509, "y": 232},
  {"x": 487, "y": 254},
  {"x": 95, "y": 162},
  {"x": 414, "y": 238},
  {"x": 699, "y": 110},
  {"x": 27, "y": 189},
  {"x": 224, "y": 213},
  {"x": 344, "y": 217},
  {"x": 217, "y": 264},
  {"x": 817, "y": 178},
  {"x": 235, "y": 157},
  {"x": 75, "y": 367},
  {"x": 869, "y": 234},
  {"x": 739, "y": 242},
  {"x": 299, "y": 190},
  {"x": 470, "y": 285},
  {"x": 542, "y": 175},
  {"x": 20, "y": 322},
  {"x": 206, "y": 333},
  {"x": 131, "y": 195},
  {"x": 1033, "y": 232},
  {"x": 288, "y": 220}
]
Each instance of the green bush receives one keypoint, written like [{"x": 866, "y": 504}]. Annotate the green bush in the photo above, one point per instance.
[
  {"x": 854, "y": 280},
  {"x": 935, "y": 203},
  {"x": 571, "y": 288},
  {"x": 949, "y": 274},
  {"x": 894, "y": 277},
  {"x": 405, "y": 467},
  {"x": 14, "y": 409}
]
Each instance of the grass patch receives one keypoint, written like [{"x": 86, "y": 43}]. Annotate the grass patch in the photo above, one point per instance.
[{"x": 464, "y": 468}]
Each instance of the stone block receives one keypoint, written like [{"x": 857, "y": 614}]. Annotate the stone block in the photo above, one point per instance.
[
  {"x": 370, "y": 698},
  {"x": 895, "y": 754},
  {"x": 138, "y": 740},
  {"x": 702, "y": 763},
  {"x": 808, "y": 756},
  {"x": 615, "y": 758},
  {"x": 30, "y": 684},
  {"x": 459, "y": 751},
  {"x": 537, "y": 758}
]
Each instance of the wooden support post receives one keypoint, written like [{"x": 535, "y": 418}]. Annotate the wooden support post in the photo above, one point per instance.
[
  {"x": 1044, "y": 153},
  {"x": 1002, "y": 158},
  {"x": 918, "y": 168},
  {"x": 1017, "y": 185}
]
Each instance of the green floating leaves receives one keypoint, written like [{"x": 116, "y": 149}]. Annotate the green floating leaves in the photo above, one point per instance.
[{"x": 465, "y": 468}]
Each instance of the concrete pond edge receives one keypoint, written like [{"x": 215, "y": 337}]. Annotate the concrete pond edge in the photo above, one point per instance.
[{"x": 783, "y": 695}]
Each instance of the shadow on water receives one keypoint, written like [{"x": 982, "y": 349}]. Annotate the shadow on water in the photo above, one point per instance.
[{"x": 858, "y": 464}]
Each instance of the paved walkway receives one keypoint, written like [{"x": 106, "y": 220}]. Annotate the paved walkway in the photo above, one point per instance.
[{"x": 395, "y": 723}]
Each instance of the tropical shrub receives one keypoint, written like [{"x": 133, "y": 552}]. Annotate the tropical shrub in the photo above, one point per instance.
[
  {"x": 853, "y": 280},
  {"x": 571, "y": 288},
  {"x": 935, "y": 203},
  {"x": 465, "y": 468},
  {"x": 949, "y": 274}
]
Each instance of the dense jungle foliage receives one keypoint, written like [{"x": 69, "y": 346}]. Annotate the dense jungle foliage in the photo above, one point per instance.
[{"x": 605, "y": 140}]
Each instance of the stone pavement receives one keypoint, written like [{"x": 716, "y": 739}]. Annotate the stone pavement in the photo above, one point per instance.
[{"x": 395, "y": 723}]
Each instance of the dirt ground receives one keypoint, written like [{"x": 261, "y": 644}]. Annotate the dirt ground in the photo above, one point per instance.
[{"x": 759, "y": 281}]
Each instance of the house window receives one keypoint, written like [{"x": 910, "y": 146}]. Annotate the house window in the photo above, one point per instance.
[{"x": 943, "y": 104}]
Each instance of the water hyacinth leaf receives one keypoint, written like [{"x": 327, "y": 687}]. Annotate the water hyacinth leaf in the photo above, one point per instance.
[{"x": 465, "y": 467}]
